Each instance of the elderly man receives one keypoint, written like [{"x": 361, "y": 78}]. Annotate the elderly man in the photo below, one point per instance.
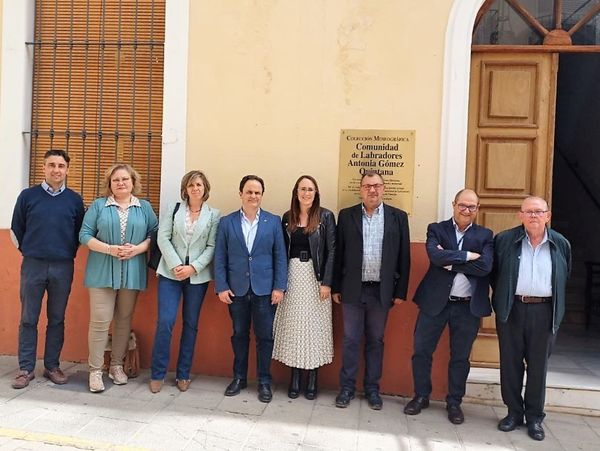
[
  {"x": 531, "y": 265},
  {"x": 454, "y": 292},
  {"x": 372, "y": 264}
]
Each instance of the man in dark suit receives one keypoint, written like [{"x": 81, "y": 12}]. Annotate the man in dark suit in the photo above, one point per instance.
[
  {"x": 251, "y": 276},
  {"x": 372, "y": 265},
  {"x": 454, "y": 292}
]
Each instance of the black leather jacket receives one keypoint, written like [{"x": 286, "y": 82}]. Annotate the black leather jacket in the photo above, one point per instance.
[{"x": 322, "y": 245}]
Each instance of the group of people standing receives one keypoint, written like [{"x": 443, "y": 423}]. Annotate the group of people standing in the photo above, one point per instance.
[{"x": 280, "y": 276}]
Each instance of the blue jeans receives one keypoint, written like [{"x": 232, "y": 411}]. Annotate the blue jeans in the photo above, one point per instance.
[
  {"x": 258, "y": 310},
  {"x": 40, "y": 276},
  {"x": 463, "y": 331},
  {"x": 169, "y": 294}
]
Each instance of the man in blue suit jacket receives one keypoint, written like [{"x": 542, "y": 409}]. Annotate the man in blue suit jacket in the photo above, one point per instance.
[
  {"x": 454, "y": 291},
  {"x": 251, "y": 276}
]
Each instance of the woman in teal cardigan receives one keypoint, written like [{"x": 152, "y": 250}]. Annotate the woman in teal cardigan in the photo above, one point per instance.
[{"x": 116, "y": 229}]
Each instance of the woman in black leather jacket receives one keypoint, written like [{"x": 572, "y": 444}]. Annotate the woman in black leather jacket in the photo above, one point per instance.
[{"x": 303, "y": 329}]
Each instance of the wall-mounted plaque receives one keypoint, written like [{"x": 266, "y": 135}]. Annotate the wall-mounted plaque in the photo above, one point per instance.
[{"x": 389, "y": 152}]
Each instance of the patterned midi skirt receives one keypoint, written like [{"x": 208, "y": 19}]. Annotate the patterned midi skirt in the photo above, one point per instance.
[{"x": 303, "y": 331}]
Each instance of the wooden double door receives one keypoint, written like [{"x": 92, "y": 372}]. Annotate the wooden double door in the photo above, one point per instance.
[{"x": 510, "y": 147}]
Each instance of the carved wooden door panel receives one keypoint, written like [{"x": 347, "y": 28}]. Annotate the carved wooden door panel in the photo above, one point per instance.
[{"x": 509, "y": 147}]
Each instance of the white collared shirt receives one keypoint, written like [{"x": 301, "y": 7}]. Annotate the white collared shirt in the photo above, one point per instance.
[
  {"x": 51, "y": 190},
  {"x": 461, "y": 287},
  {"x": 535, "y": 269},
  {"x": 249, "y": 229}
]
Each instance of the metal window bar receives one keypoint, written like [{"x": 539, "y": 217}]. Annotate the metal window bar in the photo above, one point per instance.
[{"x": 94, "y": 97}]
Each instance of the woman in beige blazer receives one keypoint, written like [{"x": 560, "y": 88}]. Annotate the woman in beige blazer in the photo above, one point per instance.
[{"x": 186, "y": 238}]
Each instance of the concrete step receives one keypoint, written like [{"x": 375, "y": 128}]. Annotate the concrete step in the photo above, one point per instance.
[{"x": 567, "y": 391}]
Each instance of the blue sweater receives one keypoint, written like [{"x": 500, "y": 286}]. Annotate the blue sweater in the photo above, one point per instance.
[{"x": 47, "y": 226}]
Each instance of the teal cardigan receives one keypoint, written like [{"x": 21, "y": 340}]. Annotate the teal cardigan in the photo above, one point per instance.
[{"x": 102, "y": 222}]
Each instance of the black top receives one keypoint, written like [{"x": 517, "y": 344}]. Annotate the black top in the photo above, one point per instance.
[{"x": 299, "y": 242}]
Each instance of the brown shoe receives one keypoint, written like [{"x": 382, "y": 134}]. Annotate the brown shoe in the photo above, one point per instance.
[
  {"x": 22, "y": 379},
  {"x": 155, "y": 385},
  {"x": 56, "y": 375},
  {"x": 183, "y": 384}
]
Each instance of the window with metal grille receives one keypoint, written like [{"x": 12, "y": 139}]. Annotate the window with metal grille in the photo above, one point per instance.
[{"x": 98, "y": 89}]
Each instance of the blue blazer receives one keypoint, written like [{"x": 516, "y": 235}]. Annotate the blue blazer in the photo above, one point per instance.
[
  {"x": 264, "y": 269},
  {"x": 433, "y": 291}
]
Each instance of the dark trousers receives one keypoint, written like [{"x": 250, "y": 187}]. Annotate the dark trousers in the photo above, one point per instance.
[
  {"x": 525, "y": 338},
  {"x": 367, "y": 319},
  {"x": 428, "y": 329},
  {"x": 259, "y": 311},
  {"x": 40, "y": 276},
  {"x": 170, "y": 293}
]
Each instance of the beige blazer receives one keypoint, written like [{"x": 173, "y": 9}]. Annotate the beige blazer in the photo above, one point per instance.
[{"x": 174, "y": 246}]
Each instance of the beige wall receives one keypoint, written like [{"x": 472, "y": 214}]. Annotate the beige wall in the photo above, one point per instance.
[
  {"x": 1, "y": 18},
  {"x": 271, "y": 83}
]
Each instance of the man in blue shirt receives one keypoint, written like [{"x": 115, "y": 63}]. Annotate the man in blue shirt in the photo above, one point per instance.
[
  {"x": 251, "y": 277},
  {"x": 531, "y": 265},
  {"x": 45, "y": 227}
]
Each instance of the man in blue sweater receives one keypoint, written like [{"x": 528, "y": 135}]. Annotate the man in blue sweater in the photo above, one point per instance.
[{"x": 45, "y": 227}]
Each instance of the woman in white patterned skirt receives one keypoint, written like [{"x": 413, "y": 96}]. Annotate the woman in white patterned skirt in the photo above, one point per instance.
[{"x": 303, "y": 329}]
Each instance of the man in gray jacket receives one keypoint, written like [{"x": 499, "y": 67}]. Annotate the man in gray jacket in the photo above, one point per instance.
[{"x": 531, "y": 265}]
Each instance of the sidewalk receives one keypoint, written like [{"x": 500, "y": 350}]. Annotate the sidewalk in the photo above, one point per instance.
[{"x": 48, "y": 417}]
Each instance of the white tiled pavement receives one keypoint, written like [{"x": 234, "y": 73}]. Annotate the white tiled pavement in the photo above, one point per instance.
[{"x": 48, "y": 417}]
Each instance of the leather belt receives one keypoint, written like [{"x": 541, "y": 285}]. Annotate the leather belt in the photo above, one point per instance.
[
  {"x": 459, "y": 299},
  {"x": 532, "y": 299},
  {"x": 370, "y": 283}
]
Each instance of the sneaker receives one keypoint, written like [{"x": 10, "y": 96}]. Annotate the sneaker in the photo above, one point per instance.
[
  {"x": 96, "y": 383},
  {"x": 22, "y": 379},
  {"x": 117, "y": 374},
  {"x": 155, "y": 385}
]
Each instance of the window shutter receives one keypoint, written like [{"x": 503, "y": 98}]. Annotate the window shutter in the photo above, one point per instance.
[{"x": 97, "y": 89}]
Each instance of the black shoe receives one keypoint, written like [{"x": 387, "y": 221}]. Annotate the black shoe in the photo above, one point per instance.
[
  {"x": 455, "y": 414},
  {"x": 416, "y": 404},
  {"x": 343, "y": 399},
  {"x": 235, "y": 387},
  {"x": 510, "y": 423},
  {"x": 374, "y": 400},
  {"x": 294, "y": 388},
  {"x": 535, "y": 430},
  {"x": 264, "y": 393},
  {"x": 311, "y": 385}
]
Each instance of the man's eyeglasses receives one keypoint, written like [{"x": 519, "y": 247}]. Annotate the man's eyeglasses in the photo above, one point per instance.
[
  {"x": 304, "y": 189},
  {"x": 369, "y": 187},
  {"x": 471, "y": 208},
  {"x": 534, "y": 213}
]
